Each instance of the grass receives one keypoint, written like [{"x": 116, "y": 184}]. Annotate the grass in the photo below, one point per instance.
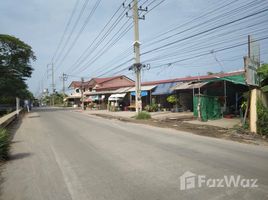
[
  {"x": 4, "y": 144},
  {"x": 143, "y": 115}
]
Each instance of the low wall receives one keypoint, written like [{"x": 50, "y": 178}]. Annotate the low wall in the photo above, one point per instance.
[{"x": 7, "y": 119}]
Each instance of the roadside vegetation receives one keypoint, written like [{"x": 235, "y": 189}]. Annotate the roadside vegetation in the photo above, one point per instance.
[
  {"x": 4, "y": 144},
  {"x": 58, "y": 99},
  {"x": 143, "y": 115},
  {"x": 262, "y": 109},
  {"x": 15, "y": 67}
]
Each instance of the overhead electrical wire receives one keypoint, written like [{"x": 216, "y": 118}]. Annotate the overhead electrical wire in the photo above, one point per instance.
[
  {"x": 98, "y": 56},
  {"x": 208, "y": 30},
  {"x": 71, "y": 46},
  {"x": 234, "y": 21},
  {"x": 72, "y": 30},
  {"x": 86, "y": 53},
  {"x": 66, "y": 29},
  {"x": 98, "y": 35}
]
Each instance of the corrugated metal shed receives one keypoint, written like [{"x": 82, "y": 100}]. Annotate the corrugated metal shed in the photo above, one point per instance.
[
  {"x": 189, "y": 85},
  {"x": 164, "y": 88}
]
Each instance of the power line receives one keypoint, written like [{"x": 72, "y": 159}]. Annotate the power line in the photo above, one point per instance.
[
  {"x": 72, "y": 30},
  {"x": 208, "y": 30},
  {"x": 97, "y": 37},
  {"x": 66, "y": 28},
  {"x": 86, "y": 52},
  {"x": 81, "y": 30},
  {"x": 196, "y": 56},
  {"x": 98, "y": 56}
]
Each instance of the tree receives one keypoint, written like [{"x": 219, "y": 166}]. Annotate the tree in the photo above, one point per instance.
[
  {"x": 210, "y": 73},
  {"x": 262, "y": 110},
  {"x": 15, "y": 67},
  {"x": 263, "y": 73}
]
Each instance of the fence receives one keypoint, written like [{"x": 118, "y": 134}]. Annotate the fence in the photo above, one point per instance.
[{"x": 7, "y": 119}]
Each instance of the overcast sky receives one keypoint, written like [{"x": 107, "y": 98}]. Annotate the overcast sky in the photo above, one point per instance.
[{"x": 41, "y": 23}]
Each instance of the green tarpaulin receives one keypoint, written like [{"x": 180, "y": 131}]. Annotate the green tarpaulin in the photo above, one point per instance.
[
  {"x": 210, "y": 107},
  {"x": 236, "y": 79}
]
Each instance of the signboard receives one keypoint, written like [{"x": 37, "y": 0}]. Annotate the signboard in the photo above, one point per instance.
[
  {"x": 143, "y": 93},
  {"x": 252, "y": 62},
  {"x": 251, "y": 67}
]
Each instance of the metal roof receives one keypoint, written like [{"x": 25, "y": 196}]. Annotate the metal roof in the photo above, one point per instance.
[
  {"x": 143, "y": 88},
  {"x": 98, "y": 93},
  {"x": 189, "y": 85},
  {"x": 164, "y": 88}
]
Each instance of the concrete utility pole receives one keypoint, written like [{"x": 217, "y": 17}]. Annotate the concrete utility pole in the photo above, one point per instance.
[
  {"x": 53, "y": 81},
  {"x": 64, "y": 78},
  {"x": 137, "y": 66},
  {"x": 53, "y": 85},
  {"x": 82, "y": 93}
]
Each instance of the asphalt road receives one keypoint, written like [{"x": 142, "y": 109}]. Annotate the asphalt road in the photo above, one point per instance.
[{"x": 62, "y": 155}]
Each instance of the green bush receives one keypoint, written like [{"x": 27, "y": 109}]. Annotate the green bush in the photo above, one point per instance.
[
  {"x": 4, "y": 144},
  {"x": 262, "y": 122},
  {"x": 151, "y": 108},
  {"x": 143, "y": 115}
]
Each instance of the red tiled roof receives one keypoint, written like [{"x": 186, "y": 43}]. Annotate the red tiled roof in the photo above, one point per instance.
[
  {"x": 77, "y": 84},
  {"x": 102, "y": 80}
]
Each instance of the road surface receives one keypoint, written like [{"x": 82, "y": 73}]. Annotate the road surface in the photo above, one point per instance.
[{"x": 63, "y": 155}]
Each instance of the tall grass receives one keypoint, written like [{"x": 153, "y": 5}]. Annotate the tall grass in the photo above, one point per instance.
[
  {"x": 143, "y": 115},
  {"x": 4, "y": 144}
]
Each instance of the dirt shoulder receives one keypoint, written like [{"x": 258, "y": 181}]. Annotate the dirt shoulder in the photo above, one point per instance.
[{"x": 234, "y": 134}]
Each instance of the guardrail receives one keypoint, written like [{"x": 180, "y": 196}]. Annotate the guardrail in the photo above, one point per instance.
[{"x": 7, "y": 119}]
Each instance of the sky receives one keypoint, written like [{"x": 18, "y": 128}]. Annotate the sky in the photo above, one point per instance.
[{"x": 172, "y": 36}]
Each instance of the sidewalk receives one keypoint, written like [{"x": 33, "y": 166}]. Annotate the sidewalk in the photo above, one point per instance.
[
  {"x": 184, "y": 121},
  {"x": 130, "y": 114},
  {"x": 223, "y": 123},
  {"x": 184, "y": 116}
]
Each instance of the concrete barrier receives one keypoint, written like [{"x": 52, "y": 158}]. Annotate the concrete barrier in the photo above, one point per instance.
[{"x": 7, "y": 119}]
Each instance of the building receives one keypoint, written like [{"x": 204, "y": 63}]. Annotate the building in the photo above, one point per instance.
[
  {"x": 118, "y": 92},
  {"x": 98, "y": 90}
]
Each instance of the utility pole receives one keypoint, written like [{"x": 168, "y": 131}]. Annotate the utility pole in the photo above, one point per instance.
[
  {"x": 199, "y": 100},
  {"x": 82, "y": 93},
  {"x": 53, "y": 85},
  {"x": 137, "y": 66},
  {"x": 52, "y": 79},
  {"x": 64, "y": 78}
]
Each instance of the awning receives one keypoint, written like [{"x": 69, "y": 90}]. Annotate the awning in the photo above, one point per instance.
[
  {"x": 115, "y": 97},
  {"x": 117, "y": 91},
  {"x": 74, "y": 96},
  {"x": 189, "y": 85},
  {"x": 143, "y": 93},
  {"x": 87, "y": 93},
  {"x": 236, "y": 79},
  {"x": 165, "y": 88},
  {"x": 122, "y": 90},
  {"x": 143, "y": 88}
]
